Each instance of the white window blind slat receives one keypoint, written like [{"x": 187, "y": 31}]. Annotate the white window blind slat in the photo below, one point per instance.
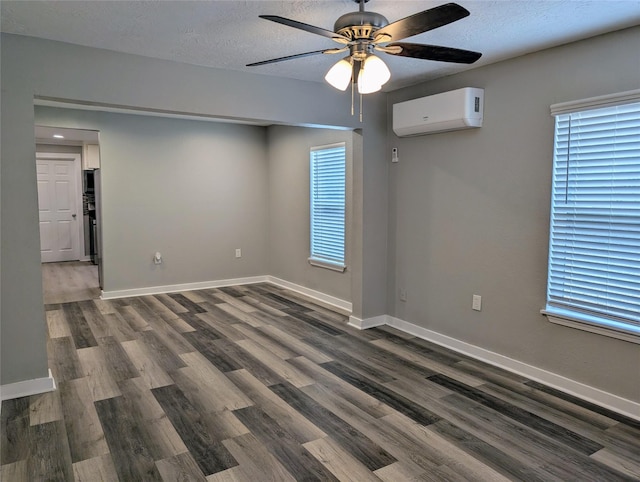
[
  {"x": 594, "y": 258},
  {"x": 327, "y": 189}
]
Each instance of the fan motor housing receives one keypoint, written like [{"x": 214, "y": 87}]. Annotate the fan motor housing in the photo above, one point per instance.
[{"x": 359, "y": 25}]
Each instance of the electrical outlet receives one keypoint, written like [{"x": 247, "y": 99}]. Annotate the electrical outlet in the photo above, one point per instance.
[
  {"x": 238, "y": 253},
  {"x": 403, "y": 295},
  {"x": 157, "y": 258},
  {"x": 476, "y": 304}
]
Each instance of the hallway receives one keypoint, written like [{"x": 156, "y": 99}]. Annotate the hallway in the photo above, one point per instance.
[{"x": 70, "y": 281}]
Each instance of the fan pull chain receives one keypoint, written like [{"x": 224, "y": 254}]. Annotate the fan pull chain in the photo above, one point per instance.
[
  {"x": 353, "y": 88},
  {"x": 360, "y": 107}
]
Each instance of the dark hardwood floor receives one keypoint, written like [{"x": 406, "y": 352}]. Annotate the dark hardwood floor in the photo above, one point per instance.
[{"x": 256, "y": 383}]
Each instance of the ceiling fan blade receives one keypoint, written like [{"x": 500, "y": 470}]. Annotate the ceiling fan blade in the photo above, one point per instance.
[
  {"x": 434, "y": 52},
  {"x": 335, "y": 51},
  {"x": 307, "y": 28},
  {"x": 297, "y": 56},
  {"x": 421, "y": 22}
]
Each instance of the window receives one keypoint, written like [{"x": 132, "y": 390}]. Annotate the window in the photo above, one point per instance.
[
  {"x": 594, "y": 251},
  {"x": 327, "y": 188}
]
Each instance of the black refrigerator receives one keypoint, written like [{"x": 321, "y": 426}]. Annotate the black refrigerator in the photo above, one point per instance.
[
  {"x": 97, "y": 223},
  {"x": 89, "y": 200}
]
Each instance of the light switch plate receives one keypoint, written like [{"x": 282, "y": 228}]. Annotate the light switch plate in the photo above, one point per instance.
[{"x": 476, "y": 304}]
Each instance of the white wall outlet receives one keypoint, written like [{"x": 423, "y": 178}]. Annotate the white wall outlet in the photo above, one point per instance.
[
  {"x": 476, "y": 303},
  {"x": 403, "y": 294},
  {"x": 157, "y": 258},
  {"x": 238, "y": 253},
  {"x": 394, "y": 155}
]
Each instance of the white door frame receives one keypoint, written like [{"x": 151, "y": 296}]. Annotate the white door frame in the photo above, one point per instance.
[{"x": 77, "y": 169}]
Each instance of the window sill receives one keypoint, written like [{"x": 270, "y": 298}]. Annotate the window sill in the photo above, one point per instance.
[
  {"x": 327, "y": 265},
  {"x": 593, "y": 324}
]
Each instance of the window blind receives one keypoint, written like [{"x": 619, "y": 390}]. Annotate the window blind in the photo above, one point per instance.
[
  {"x": 328, "y": 178},
  {"x": 594, "y": 259}
]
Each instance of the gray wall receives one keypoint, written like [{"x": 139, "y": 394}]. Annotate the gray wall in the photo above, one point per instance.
[
  {"x": 469, "y": 213},
  {"x": 195, "y": 191},
  {"x": 192, "y": 190},
  {"x": 289, "y": 230},
  {"x": 32, "y": 67}
]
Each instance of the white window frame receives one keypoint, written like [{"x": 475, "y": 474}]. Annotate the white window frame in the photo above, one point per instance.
[
  {"x": 327, "y": 256},
  {"x": 612, "y": 326}
]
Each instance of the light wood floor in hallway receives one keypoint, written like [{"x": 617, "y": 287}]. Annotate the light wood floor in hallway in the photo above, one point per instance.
[
  {"x": 70, "y": 281},
  {"x": 256, "y": 383}
]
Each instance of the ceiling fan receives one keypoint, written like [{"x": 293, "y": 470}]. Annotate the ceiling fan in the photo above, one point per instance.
[{"x": 361, "y": 33}]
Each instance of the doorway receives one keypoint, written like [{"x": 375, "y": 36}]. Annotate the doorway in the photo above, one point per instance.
[{"x": 67, "y": 214}]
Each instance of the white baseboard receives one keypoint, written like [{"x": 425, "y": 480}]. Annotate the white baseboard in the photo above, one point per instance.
[
  {"x": 27, "y": 387},
  {"x": 202, "y": 285},
  {"x": 604, "y": 399},
  {"x": 322, "y": 298},
  {"x": 368, "y": 322},
  {"x": 338, "y": 304}
]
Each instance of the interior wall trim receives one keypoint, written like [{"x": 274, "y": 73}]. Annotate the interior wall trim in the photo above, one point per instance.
[
  {"x": 332, "y": 302},
  {"x": 26, "y": 388},
  {"x": 588, "y": 393},
  {"x": 367, "y": 323},
  {"x": 343, "y": 306},
  {"x": 201, "y": 285}
]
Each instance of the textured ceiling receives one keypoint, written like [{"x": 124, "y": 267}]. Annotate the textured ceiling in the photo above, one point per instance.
[{"x": 229, "y": 34}]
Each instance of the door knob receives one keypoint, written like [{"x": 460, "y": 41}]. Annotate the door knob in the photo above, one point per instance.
[{"x": 73, "y": 215}]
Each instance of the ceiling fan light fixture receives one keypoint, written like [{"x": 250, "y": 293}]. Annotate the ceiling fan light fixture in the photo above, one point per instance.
[
  {"x": 339, "y": 76},
  {"x": 373, "y": 75},
  {"x": 367, "y": 86},
  {"x": 377, "y": 68},
  {"x": 363, "y": 32}
]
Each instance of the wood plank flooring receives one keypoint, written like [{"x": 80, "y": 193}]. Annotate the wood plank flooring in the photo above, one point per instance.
[
  {"x": 257, "y": 383},
  {"x": 70, "y": 281}
]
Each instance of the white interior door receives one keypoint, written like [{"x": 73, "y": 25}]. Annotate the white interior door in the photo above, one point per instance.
[{"x": 59, "y": 206}]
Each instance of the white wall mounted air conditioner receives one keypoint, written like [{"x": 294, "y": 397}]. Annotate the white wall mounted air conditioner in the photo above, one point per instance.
[{"x": 449, "y": 111}]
